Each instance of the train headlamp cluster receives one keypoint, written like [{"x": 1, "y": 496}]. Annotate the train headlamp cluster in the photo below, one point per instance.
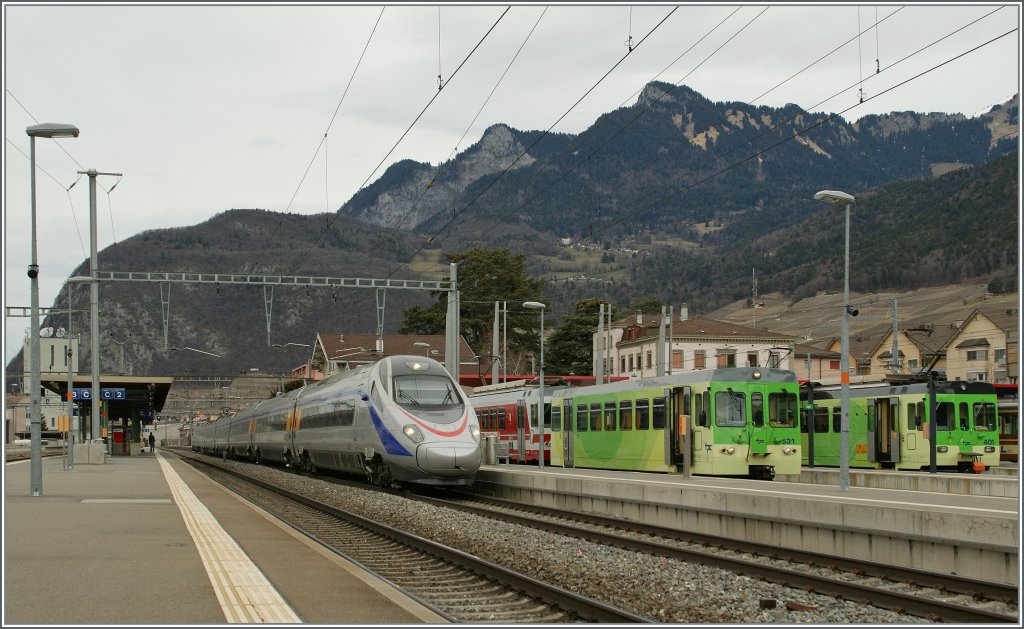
[
  {"x": 729, "y": 449},
  {"x": 475, "y": 432},
  {"x": 413, "y": 432},
  {"x": 990, "y": 448},
  {"x": 788, "y": 449},
  {"x": 756, "y": 375},
  {"x": 417, "y": 365},
  {"x": 942, "y": 449}
]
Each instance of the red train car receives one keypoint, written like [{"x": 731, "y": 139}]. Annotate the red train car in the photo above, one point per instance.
[
  {"x": 509, "y": 410},
  {"x": 1009, "y": 427}
]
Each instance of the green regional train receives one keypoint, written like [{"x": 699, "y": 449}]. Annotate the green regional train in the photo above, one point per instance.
[
  {"x": 718, "y": 422},
  {"x": 888, "y": 426}
]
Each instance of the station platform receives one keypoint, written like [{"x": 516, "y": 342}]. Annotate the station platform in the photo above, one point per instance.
[{"x": 146, "y": 540}]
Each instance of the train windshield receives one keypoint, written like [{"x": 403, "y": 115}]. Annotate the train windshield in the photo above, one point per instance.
[
  {"x": 782, "y": 409},
  {"x": 437, "y": 392},
  {"x": 730, "y": 408}
]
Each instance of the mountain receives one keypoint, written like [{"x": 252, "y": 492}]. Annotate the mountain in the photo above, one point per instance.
[{"x": 674, "y": 196}]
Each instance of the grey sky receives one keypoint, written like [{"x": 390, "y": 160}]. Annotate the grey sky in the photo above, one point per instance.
[{"x": 206, "y": 108}]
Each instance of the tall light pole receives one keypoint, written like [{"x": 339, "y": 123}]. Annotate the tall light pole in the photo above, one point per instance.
[
  {"x": 425, "y": 346},
  {"x": 44, "y": 130},
  {"x": 835, "y": 197},
  {"x": 536, "y": 305}
]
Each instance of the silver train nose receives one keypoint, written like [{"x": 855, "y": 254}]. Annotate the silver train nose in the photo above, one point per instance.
[{"x": 448, "y": 460}]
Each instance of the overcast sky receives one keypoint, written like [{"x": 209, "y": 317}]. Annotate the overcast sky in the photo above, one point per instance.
[{"x": 207, "y": 108}]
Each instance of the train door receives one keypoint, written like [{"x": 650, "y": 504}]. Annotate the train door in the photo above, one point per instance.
[
  {"x": 521, "y": 431},
  {"x": 681, "y": 429},
  {"x": 758, "y": 424},
  {"x": 568, "y": 432},
  {"x": 883, "y": 430},
  {"x": 701, "y": 431}
]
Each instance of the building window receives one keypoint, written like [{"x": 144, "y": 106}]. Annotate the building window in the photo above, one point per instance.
[
  {"x": 677, "y": 360},
  {"x": 649, "y": 362},
  {"x": 698, "y": 359},
  {"x": 833, "y": 365},
  {"x": 752, "y": 359},
  {"x": 977, "y": 354},
  {"x": 977, "y": 376},
  {"x": 727, "y": 360},
  {"x": 999, "y": 355},
  {"x": 773, "y": 360},
  {"x": 622, "y": 362},
  {"x": 912, "y": 363},
  {"x": 631, "y": 362}
]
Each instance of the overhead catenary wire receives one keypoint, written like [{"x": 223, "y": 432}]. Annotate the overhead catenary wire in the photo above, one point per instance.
[
  {"x": 541, "y": 136},
  {"x": 796, "y": 134},
  {"x": 337, "y": 213}
]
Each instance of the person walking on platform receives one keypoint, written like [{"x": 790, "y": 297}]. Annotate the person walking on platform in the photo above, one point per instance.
[{"x": 152, "y": 443}]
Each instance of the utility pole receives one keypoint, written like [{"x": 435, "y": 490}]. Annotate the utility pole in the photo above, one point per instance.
[{"x": 895, "y": 364}]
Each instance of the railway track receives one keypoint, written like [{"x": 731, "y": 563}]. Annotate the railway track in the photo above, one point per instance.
[
  {"x": 456, "y": 585},
  {"x": 937, "y": 597}
]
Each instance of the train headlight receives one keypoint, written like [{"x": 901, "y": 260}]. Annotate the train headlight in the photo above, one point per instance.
[
  {"x": 475, "y": 432},
  {"x": 941, "y": 449},
  {"x": 990, "y": 448},
  {"x": 788, "y": 449},
  {"x": 757, "y": 374},
  {"x": 729, "y": 449},
  {"x": 413, "y": 432}
]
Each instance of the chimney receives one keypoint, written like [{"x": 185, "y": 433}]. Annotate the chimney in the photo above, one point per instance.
[
  {"x": 639, "y": 318},
  {"x": 684, "y": 313}
]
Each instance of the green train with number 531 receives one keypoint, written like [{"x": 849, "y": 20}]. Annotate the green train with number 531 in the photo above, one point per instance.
[
  {"x": 889, "y": 426},
  {"x": 717, "y": 422}
]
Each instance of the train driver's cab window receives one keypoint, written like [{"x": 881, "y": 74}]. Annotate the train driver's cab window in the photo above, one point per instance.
[
  {"x": 964, "y": 417},
  {"x": 984, "y": 416},
  {"x": 782, "y": 409},
  {"x": 556, "y": 417},
  {"x": 423, "y": 390},
  {"x": 730, "y": 408},
  {"x": 700, "y": 409},
  {"x": 915, "y": 416},
  {"x": 944, "y": 416}
]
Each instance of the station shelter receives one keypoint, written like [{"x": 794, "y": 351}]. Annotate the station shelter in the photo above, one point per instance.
[{"x": 127, "y": 405}]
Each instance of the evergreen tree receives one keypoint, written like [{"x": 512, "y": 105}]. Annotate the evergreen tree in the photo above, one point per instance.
[{"x": 569, "y": 349}]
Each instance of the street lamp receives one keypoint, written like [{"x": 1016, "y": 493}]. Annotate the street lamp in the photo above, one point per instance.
[
  {"x": 425, "y": 346},
  {"x": 835, "y": 197},
  {"x": 536, "y": 305},
  {"x": 44, "y": 130}
]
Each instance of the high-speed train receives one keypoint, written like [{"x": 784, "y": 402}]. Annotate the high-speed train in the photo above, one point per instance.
[{"x": 400, "y": 420}]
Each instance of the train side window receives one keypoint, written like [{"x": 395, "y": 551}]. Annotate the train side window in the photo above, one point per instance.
[
  {"x": 626, "y": 415},
  {"x": 700, "y": 405},
  {"x": 837, "y": 420},
  {"x": 912, "y": 420},
  {"x": 820, "y": 420},
  {"x": 964, "y": 416},
  {"x": 609, "y": 415},
  {"x": 984, "y": 416},
  {"x": 757, "y": 409},
  {"x": 581, "y": 418},
  {"x": 730, "y": 408},
  {"x": 595, "y": 417},
  {"x": 658, "y": 413},
  {"x": 805, "y": 418},
  {"x": 556, "y": 418},
  {"x": 944, "y": 416},
  {"x": 643, "y": 414},
  {"x": 520, "y": 415},
  {"x": 501, "y": 419}
]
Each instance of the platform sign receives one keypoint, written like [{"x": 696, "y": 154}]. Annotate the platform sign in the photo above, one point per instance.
[
  {"x": 84, "y": 393},
  {"x": 112, "y": 394}
]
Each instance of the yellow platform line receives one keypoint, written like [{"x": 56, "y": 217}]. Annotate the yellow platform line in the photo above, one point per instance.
[{"x": 244, "y": 593}]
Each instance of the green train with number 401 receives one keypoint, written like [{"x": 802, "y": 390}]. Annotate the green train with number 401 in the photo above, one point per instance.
[
  {"x": 889, "y": 426},
  {"x": 717, "y": 422}
]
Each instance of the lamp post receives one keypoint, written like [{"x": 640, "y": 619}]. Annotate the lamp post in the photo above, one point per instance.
[
  {"x": 536, "y": 305},
  {"x": 425, "y": 346},
  {"x": 44, "y": 130},
  {"x": 835, "y": 197}
]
